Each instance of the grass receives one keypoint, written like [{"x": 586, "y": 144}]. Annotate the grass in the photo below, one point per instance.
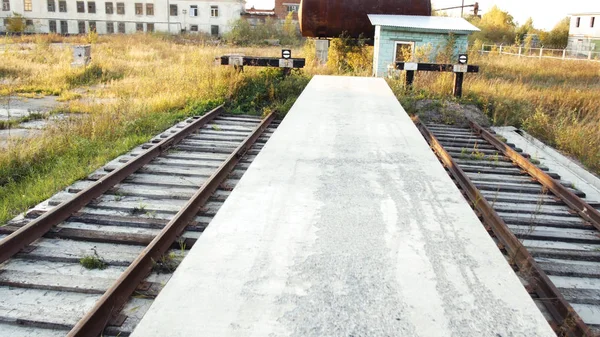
[
  {"x": 556, "y": 101},
  {"x": 92, "y": 262},
  {"x": 136, "y": 87}
]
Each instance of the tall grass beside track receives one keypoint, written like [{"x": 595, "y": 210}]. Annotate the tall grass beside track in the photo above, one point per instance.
[
  {"x": 137, "y": 86},
  {"x": 554, "y": 100}
]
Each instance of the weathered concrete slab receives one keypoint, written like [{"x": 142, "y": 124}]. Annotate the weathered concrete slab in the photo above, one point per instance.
[
  {"x": 566, "y": 167},
  {"x": 345, "y": 225}
]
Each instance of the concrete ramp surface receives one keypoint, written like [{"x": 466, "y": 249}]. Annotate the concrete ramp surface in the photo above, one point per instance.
[{"x": 345, "y": 225}]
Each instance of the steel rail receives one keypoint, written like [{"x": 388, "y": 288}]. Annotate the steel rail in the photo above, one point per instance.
[
  {"x": 587, "y": 212},
  {"x": 568, "y": 321},
  {"x": 37, "y": 228},
  {"x": 94, "y": 322}
]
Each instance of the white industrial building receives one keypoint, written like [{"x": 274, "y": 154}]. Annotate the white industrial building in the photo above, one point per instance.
[
  {"x": 584, "y": 33},
  {"x": 123, "y": 16}
]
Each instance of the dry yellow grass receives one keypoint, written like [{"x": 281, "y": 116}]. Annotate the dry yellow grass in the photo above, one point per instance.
[
  {"x": 136, "y": 86},
  {"x": 556, "y": 101}
]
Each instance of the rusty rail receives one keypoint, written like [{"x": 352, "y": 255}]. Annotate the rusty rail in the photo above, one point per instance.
[
  {"x": 37, "y": 228},
  {"x": 94, "y": 322},
  {"x": 587, "y": 212},
  {"x": 568, "y": 321}
]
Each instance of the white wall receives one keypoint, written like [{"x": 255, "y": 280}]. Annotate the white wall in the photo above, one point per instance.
[
  {"x": 229, "y": 10},
  {"x": 585, "y": 29}
]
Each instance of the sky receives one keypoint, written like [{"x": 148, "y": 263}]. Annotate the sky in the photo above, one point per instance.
[{"x": 545, "y": 13}]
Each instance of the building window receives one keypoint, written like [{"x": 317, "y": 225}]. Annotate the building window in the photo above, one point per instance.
[
  {"x": 173, "y": 10},
  {"x": 64, "y": 27},
  {"x": 214, "y": 30},
  {"x": 110, "y": 28},
  {"x": 80, "y": 7},
  {"x": 120, "y": 8},
  {"x": 91, "y": 7},
  {"x": 81, "y": 27},
  {"x": 139, "y": 9},
  {"x": 194, "y": 10},
  {"x": 193, "y": 28},
  {"x": 122, "y": 27},
  {"x": 404, "y": 51},
  {"x": 292, "y": 8},
  {"x": 108, "y": 7},
  {"x": 62, "y": 6},
  {"x": 139, "y": 27},
  {"x": 52, "y": 26},
  {"x": 592, "y": 21},
  {"x": 92, "y": 26},
  {"x": 27, "y": 5},
  {"x": 149, "y": 9},
  {"x": 6, "y": 5},
  {"x": 150, "y": 27},
  {"x": 29, "y": 23},
  {"x": 52, "y": 8},
  {"x": 578, "y": 22},
  {"x": 214, "y": 11}
]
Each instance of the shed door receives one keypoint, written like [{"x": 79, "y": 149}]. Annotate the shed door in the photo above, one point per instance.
[{"x": 404, "y": 51}]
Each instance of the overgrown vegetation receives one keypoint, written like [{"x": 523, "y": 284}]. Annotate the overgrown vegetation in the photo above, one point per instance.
[
  {"x": 92, "y": 262},
  {"x": 264, "y": 33},
  {"x": 137, "y": 86},
  {"x": 554, "y": 100}
]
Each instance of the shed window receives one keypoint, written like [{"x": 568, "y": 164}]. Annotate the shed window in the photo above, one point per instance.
[
  {"x": 150, "y": 27},
  {"x": 214, "y": 11},
  {"x": 108, "y": 7},
  {"x": 139, "y": 9},
  {"x": 62, "y": 6},
  {"x": 80, "y": 7},
  {"x": 6, "y": 5},
  {"x": 149, "y": 9},
  {"x": 110, "y": 27},
  {"x": 122, "y": 27},
  {"x": 120, "y": 8},
  {"x": 91, "y": 7},
  {"x": 578, "y": 22},
  {"x": 52, "y": 7},
  {"x": 173, "y": 10},
  {"x": 404, "y": 51},
  {"x": 92, "y": 26},
  {"x": 214, "y": 30},
  {"x": 194, "y": 28},
  {"x": 29, "y": 23},
  {"x": 194, "y": 10},
  {"x": 27, "y": 5},
  {"x": 139, "y": 27}
]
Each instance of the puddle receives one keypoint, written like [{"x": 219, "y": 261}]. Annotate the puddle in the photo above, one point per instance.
[{"x": 18, "y": 107}]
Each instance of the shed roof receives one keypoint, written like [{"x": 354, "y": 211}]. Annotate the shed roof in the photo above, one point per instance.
[{"x": 428, "y": 23}]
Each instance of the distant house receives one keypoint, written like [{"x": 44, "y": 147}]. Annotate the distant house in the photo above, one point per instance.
[
  {"x": 584, "y": 33},
  {"x": 284, "y": 7},
  {"x": 121, "y": 16},
  {"x": 255, "y": 16}
]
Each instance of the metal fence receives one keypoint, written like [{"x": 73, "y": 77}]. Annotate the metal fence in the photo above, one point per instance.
[{"x": 558, "y": 54}]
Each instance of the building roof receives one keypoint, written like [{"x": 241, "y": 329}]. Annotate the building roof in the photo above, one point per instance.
[{"x": 427, "y": 23}]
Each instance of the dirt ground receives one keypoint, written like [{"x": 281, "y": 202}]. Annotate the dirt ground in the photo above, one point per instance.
[{"x": 450, "y": 113}]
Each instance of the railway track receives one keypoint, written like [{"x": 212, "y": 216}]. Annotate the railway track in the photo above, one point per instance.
[
  {"x": 548, "y": 231},
  {"x": 129, "y": 224}
]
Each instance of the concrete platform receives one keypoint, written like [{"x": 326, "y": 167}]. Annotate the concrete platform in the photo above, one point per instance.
[
  {"x": 346, "y": 224},
  {"x": 567, "y": 168}
]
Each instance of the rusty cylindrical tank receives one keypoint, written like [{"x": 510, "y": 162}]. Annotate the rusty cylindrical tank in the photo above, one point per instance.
[{"x": 329, "y": 18}]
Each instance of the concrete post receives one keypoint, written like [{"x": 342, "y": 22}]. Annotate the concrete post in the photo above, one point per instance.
[
  {"x": 564, "y": 54},
  {"x": 501, "y": 49},
  {"x": 482, "y": 49},
  {"x": 82, "y": 55},
  {"x": 520, "y": 50},
  {"x": 541, "y": 52},
  {"x": 322, "y": 48}
]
